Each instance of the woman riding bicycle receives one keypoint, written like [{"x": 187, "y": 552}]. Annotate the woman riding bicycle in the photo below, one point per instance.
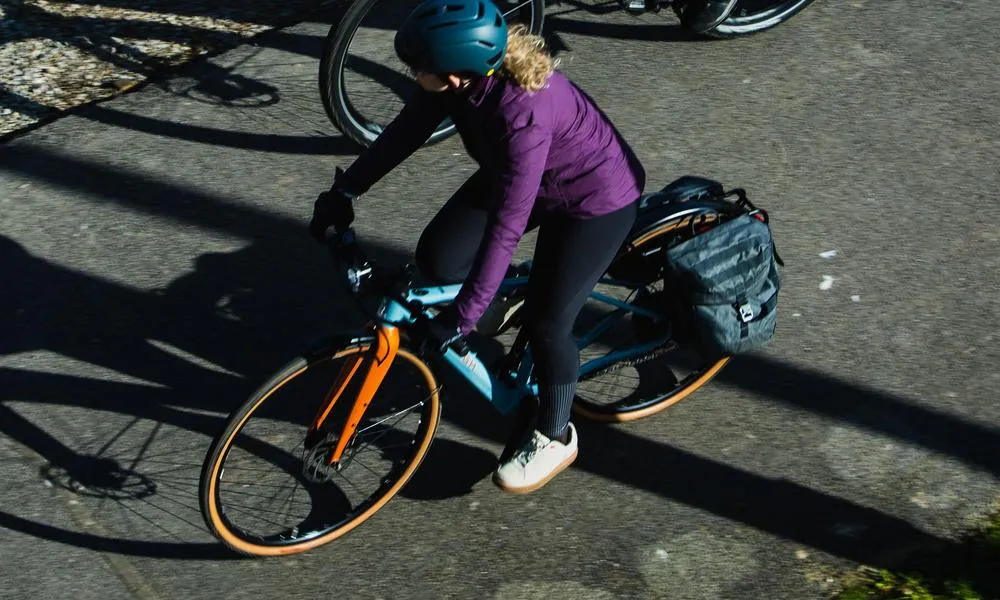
[{"x": 548, "y": 158}]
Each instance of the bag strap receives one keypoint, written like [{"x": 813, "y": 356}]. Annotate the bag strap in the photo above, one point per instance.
[
  {"x": 741, "y": 300},
  {"x": 744, "y": 203},
  {"x": 765, "y": 309}
]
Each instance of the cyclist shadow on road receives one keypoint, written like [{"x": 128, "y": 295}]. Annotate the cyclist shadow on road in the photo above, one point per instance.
[{"x": 176, "y": 361}]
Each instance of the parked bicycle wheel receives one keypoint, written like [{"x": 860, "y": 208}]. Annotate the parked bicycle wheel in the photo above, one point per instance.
[
  {"x": 753, "y": 16},
  {"x": 266, "y": 486},
  {"x": 363, "y": 84},
  {"x": 660, "y": 377}
]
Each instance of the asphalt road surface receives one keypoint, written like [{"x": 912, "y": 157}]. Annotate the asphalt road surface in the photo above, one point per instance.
[{"x": 154, "y": 268}]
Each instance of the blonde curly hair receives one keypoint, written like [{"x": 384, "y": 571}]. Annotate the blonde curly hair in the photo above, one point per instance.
[{"x": 527, "y": 61}]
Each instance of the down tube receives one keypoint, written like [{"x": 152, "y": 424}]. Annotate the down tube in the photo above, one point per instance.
[{"x": 502, "y": 397}]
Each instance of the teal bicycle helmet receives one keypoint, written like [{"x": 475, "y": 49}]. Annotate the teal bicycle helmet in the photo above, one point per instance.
[{"x": 453, "y": 36}]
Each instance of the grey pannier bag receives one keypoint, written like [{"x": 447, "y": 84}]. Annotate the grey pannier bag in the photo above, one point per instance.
[{"x": 724, "y": 284}]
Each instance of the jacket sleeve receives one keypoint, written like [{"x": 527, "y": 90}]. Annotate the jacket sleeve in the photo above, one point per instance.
[
  {"x": 524, "y": 153},
  {"x": 401, "y": 138}
]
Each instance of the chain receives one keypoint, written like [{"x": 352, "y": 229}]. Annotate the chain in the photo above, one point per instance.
[{"x": 643, "y": 358}]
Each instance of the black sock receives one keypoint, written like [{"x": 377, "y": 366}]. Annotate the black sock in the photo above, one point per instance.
[{"x": 555, "y": 403}]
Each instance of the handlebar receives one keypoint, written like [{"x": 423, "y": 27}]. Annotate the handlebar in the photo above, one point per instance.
[
  {"x": 360, "y": 273},
  {"x": 358, "y": 270},
  {"x": 362, "y": 277}
]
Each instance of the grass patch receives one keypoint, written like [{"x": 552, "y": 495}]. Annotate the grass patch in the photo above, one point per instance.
[{"x": 972, "y": 572}]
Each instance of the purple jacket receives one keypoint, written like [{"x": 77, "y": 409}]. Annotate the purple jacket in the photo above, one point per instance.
[{"x": 552, "y": 151}]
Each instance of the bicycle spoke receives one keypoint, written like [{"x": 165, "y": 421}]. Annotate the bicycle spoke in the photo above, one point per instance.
[
  {"x": 405, "y": 410},
  {"x": 518, "y": 7}
]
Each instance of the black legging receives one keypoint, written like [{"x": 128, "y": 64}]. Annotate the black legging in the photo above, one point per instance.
[{"x": 570, "y": 256}]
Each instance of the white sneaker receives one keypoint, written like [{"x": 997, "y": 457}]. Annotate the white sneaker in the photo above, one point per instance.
[{"x": 535, "y": 463}]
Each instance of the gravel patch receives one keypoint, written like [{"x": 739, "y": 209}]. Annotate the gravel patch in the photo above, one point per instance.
[{"x": 58, "y": 55}]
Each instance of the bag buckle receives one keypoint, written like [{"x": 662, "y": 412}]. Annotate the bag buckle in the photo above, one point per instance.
[{"x": 746, "y": 313}]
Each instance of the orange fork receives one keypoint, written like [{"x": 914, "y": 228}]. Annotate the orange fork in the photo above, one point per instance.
[
  {"x": 343, "y": 378},
  {"x": 379, "y": 360}
]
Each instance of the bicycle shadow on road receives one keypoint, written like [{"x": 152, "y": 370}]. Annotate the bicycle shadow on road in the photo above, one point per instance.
[
  {"x": 161, "y": 369},
  {"x": 779, "y": 506},
  {"x": 878, "y": 412},
  {"x": 155, "y": 375},
  {"x": 242, "y": 338}
]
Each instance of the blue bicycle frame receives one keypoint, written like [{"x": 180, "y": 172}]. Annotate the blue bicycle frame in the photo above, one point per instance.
[{"x": 506, "y": 395}]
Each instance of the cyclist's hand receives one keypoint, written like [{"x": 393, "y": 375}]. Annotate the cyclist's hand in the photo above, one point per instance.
[
  {"x": 438, "y": 333},
  {"x": 332, "y": 208}
]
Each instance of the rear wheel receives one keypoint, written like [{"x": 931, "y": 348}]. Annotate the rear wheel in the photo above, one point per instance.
[
  {"x": 754, "y": 16},
  {"x": 362, "y": 82},
  {"x": 653, "y": 377}
]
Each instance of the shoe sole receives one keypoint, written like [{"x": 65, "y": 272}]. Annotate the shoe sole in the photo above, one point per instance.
[{"x": 531, "y": 488}]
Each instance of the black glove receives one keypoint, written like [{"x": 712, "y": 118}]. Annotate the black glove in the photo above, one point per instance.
[
  {"x": 438, "y": 333},
  {"x": 334, "y": 207}
]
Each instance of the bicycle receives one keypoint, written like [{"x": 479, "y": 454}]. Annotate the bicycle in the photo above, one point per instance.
[
  {"x": 627, "y": 332},
  {"x": 386, "y": 85}
]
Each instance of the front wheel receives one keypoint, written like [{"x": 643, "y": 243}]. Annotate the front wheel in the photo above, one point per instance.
[
  {"x": 267, "y": 488},
  {"x": 754, "y": 16},
  {"x": 362, "y": 82}
]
